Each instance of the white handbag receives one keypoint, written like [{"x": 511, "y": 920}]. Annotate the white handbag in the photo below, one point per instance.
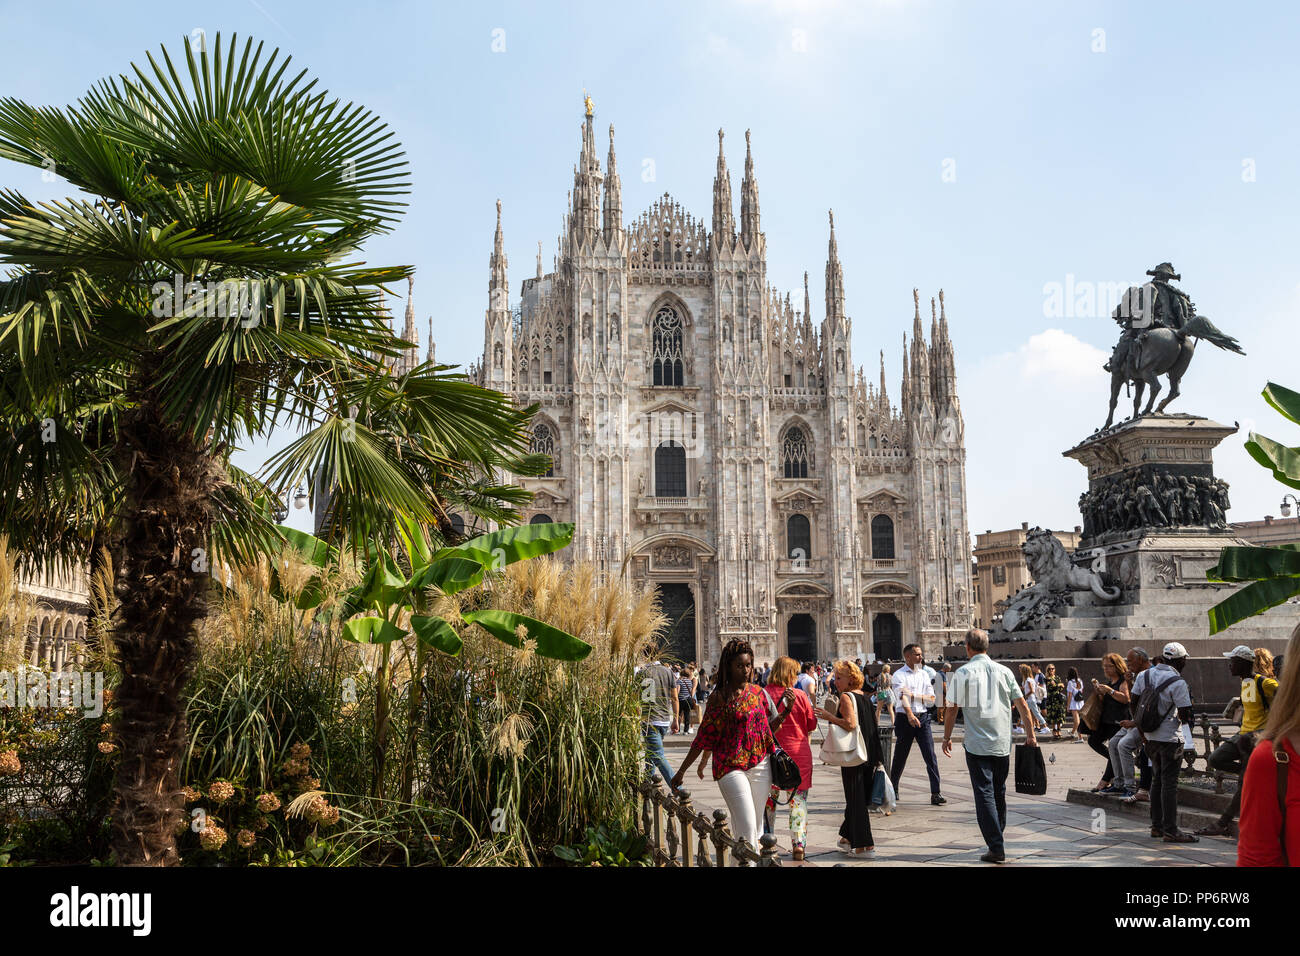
[{"x": 844, "y": 748}]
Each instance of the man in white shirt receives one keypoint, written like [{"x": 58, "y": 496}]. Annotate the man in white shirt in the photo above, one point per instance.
[
  {"x": 914, "y": 693},
  {"x": 806, "y": 683}
]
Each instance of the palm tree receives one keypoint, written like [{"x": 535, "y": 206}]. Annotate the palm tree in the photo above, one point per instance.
[{"x": 200, "y": 293}]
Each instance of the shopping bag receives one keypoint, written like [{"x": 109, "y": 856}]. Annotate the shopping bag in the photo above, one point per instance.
[
  {"x": 1031, "y": 772},
  {"x": 1090, "y": 712},
  {"x": 891, "y": 799},
  {"x": 878, "y": 784}
]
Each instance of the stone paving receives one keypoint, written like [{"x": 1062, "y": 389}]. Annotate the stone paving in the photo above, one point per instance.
[{"x": 1041, "y": 831}]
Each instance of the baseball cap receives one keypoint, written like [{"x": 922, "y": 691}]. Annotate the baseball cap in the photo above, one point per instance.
[
  {"x": 1242, "y": 651},
  {"x": 1174, "y": 649}
]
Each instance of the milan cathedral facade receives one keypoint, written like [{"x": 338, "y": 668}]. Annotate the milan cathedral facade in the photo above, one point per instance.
[{"x": 708, "y": 438}]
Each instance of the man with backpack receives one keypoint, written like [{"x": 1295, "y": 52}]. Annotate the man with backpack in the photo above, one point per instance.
[
  {"x": 1258, "y": 688},
  {"x": 1165, "y": 701}
]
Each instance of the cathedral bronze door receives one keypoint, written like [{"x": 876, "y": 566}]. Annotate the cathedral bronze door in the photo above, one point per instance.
[
  {"x": 887, "y": 637},
  {"x": 801, "y": 638},
  {"x": 678, "y": 604}
]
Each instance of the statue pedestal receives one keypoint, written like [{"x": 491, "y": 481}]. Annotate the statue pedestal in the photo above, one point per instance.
[
  {"x": 1159, "y": 566},
  {"x": 1172, "y": 457}
]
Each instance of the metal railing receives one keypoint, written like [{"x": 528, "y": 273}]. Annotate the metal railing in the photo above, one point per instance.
[{"x": 679, "y": 835}]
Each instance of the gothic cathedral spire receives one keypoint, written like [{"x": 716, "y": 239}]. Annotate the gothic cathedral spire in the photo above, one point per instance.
[
  {"x": 749, "y": 221},
  {"x": 613, "y": 195},
  {"x": 498, "y": 349},
  {"x": 409, "y": 332},
  {"x": 834, "y": 280},
  {"x": 724, "y": 221},
  {"x": 584, "y": 218}
]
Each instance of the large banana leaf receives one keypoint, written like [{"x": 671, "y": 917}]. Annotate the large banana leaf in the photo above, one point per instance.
[
  {"x": 499, "y": 548},
  {"x": 383, "y": 585},
  {"x": 551, "y": 641},
  {"x": 436, "y": 633},
  {"x": 1252, "y": 564},
  {"x": 1284, "y": 462},
  {"x": 1253, "y": 599},
  {"x": 372, "y": 630},
  {"x": 314, "y": 551},
  {"x": 1284, "y": 400},
  {"x": 449, "y": 575}
]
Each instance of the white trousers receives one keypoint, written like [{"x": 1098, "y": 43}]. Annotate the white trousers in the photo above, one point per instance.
[{"x": 745, "y": 793}]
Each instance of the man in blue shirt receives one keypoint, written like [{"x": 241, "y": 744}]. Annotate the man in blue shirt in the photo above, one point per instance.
[
  {"x": 985, "y": 692},
  {"x": 1162, "y": 688}
]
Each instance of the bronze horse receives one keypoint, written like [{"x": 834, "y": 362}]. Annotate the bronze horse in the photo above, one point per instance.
[{"x": 1162, "y": 351}]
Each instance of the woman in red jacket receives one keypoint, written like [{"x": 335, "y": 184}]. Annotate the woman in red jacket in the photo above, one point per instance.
[
  {"x": 792, "y": 736},
  {"x": 1269, "y": 830}
]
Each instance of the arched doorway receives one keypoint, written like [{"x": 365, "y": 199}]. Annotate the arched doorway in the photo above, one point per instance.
[
  {"x": 678, "y": 603},
  {"x": 801, "y": 638},
  {"x": 887, "y": 637}
]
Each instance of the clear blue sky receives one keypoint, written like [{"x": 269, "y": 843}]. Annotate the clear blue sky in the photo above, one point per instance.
[{"x": 1068, "y": 161}]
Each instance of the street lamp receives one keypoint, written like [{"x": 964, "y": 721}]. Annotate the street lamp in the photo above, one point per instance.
[
  {"x": 1287, "y": 500},
  {"x": 299, "y": 499}
]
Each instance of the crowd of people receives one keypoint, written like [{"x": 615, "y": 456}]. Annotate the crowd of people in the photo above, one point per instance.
[{"x": 1138, "y": 716}]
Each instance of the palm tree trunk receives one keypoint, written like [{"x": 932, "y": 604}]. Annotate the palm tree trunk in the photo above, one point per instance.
[{"x": 161, "y": 587}]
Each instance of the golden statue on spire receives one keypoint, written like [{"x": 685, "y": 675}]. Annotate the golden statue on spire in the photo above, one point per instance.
[{"x": 586, "y": 101}]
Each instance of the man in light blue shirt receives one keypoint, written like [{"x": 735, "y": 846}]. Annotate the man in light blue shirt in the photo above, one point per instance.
[
  {"x": 985, "y": 692},
  {"x": 1162, "y": 689}
]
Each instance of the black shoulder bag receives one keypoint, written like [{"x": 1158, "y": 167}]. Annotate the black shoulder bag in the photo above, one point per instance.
[{"x": 785, "y": 772}]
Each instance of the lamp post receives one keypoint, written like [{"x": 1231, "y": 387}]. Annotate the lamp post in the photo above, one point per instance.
[
  {"x": 1287, "y": 501},
  {"x": 299, "y": 499}
]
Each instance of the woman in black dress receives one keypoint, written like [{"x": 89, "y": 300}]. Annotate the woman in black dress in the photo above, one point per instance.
[
  {"x": 1114, "y": 708},
  {"x": 856, "y": 711}
]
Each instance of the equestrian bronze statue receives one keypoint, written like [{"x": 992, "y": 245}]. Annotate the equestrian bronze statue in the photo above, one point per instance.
[{"x": 1160, "y": 332}]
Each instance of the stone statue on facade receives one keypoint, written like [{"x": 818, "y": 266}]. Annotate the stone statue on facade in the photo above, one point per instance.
[{"x": 1161, "y": 329}]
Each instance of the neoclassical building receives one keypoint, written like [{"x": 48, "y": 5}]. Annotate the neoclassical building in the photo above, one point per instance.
[
  {"x": 711, "y": 439},
  {"x": 55, "y": 607}
]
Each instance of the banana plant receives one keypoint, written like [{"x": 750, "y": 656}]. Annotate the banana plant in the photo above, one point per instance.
[
  {"x": 372, "y": 610},
  {"x": 1273, "y": 572}
]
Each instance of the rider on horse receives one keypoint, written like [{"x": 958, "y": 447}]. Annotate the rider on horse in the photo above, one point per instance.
[{"x": 1170, "y": 309}]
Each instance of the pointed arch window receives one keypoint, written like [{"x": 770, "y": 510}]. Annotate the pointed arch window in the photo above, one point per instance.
[
  {"x": 795, "y": 458},
  {"x": 666, "y": 347},
  {"x": 543, "y": 443},
  {"x": 882, "y": 537},
  {"x": 670, "y": 470},
  {"x": 798, "y": 537}
]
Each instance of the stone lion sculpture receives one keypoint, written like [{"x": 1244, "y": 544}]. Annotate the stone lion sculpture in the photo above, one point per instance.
[{"x": 1055, "y": 576}]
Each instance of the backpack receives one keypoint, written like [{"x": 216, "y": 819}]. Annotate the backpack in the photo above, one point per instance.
[{"x": 1149, "y": 719}]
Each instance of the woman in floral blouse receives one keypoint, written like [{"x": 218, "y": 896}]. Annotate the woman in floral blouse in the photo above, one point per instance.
[{"x": 736, "y": 730}]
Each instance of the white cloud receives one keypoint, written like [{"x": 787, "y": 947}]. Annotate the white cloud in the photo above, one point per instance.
[
  {"x": 1023, "y": 409},
  {"x": 1056, "y": 355}
]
